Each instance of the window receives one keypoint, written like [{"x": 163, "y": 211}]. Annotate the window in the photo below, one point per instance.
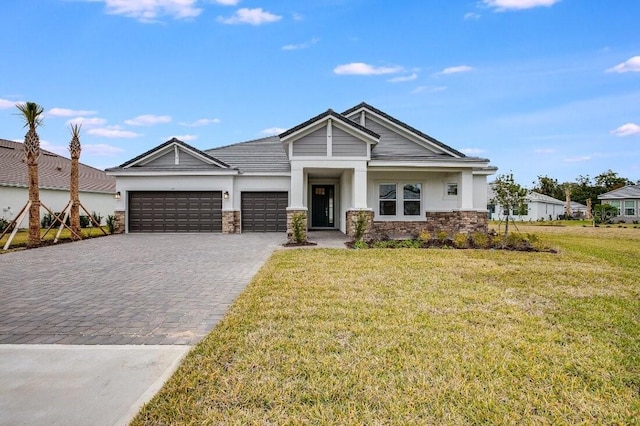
[
  {"x": 491, "y": 208},
  {"x": 629, "y": 208},
  {"x": 387, "y": 196},
  {"x": 404, "y": 203},
  {"x": 616, "y": 204},
  {"x": 411, "y": 196},
  {"x": 452, "y": 189}
]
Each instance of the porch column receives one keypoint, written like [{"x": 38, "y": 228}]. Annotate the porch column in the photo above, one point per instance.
[
  {"x": 297, "y": 188},
  {"x": 360, "y": 188},
  {"x": 466, "y": 190}
]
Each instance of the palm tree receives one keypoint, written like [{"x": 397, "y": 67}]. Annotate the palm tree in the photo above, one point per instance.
[
  {"x": 75, "y": 149},
  {"x": 32, "y": 115}
]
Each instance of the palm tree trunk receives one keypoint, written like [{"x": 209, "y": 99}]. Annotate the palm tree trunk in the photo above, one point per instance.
[
  {"x": 34, "y": 210},
  {"x": 75, "y": 200}
]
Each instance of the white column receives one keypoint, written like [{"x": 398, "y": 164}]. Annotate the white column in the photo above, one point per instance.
[
  {"x": 297, "y": 187},
  {"x": 360, "y": 188},
  {"x": 466, "y": 190}
]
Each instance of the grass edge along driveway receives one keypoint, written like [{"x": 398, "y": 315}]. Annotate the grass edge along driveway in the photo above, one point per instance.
[{"x": 424, "y": 336}]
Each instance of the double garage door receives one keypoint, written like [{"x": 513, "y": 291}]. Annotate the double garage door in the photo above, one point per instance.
[{"x": 201, "y": 211}]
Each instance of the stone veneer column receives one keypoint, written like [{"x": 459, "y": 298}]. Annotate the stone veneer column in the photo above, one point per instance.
[
  {"x": 230, "y": 222},
  {"x": 352, "y": 219},
  {"x": 119, "y": 214},
  {"x": 291, "y": 212}
]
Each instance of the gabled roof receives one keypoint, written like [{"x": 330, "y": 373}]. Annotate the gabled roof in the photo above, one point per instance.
[
  {"x": 367, "y": 107},
  {"x": 164, "y": 147},
  {"x": 629, "y": 191},
  {"x": 536, "y": 196},
  {"x": 259, "y": 155},
  {"x": 53, "y": 171},
  {"x": 329, "y": 114}
]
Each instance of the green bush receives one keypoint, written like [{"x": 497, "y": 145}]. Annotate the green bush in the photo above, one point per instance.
[
  {"x": 461, "y": 240},
  {"x": 111, "y": 223},
  {"x": 46, "y": 220},
  {"x": 97, "y": 217},
  {"x": 299, "y": 227},
  {"x": 480, "y": 240},
  {"x": 360, "y": 226}
]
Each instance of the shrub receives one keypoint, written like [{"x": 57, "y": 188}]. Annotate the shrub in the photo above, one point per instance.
[
  {"x": 298, "y": 224},
  {"x": 97, "y": 217},
  {"x": 480, "y": 240},
  {"x": 461, "y": 240},
  {"x": 4, "y": 224},
  {"x": 442, "y": 236},
  {"x": 111, "y": 223},
  {"x": 84, "y": 221},
  {"x": 47, "y": 220},
  {"x": 412, "y": 243},
  {"x": 424, "y": 236},
  {"x": 360, "y": 244},
  {"x": 360, "y": 226}
]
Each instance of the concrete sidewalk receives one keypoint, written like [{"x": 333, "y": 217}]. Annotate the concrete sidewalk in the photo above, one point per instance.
[{"x": 79, "y": 384}]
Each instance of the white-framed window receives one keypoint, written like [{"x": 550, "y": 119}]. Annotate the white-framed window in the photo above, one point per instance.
[
  {"x": 388, "y": 199},
  {"x": 629, "y": 207},
  {"x": 616, "y": 204},
  {"x": 400, "y": 199},
  {"x": 451, "y": 189}
]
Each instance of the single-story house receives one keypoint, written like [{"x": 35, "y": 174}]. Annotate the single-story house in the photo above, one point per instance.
[
  {"x": 626, "y": 200},
  {"x": 332, "y": 168},
  {"x": 536, "y": 207},
  {"x": 96, "y": 189}
]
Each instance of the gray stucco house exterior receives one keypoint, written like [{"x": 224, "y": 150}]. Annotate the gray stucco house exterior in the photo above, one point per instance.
[
  {"x": 328, "y": 168},
  {"x": 626, "y": 200}
]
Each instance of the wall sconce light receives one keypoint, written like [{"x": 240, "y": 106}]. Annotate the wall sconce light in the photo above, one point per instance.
[
  {"x": 118, "y": 195},
  {"x": 226, "y": 195}
]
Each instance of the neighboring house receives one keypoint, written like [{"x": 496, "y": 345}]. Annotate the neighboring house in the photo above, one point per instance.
[
  {"x": 96, "y": 188},
  {"x": 578, "y": 211},
  {"x": 536, "y": 207},
  {"x": 626, "y": 200},
  {"x": 329, "y": 168}
]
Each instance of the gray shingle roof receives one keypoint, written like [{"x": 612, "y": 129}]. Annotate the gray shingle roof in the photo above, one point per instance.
[
  {"x": 629, "y": 191},
  {"x": 169, "y": 142},
  {"x": 53, "y": 171},
  {"x": 260, "y": 155}
]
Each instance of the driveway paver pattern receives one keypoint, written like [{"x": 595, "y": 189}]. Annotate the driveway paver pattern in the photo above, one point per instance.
[{"x": 135, "y": 289}]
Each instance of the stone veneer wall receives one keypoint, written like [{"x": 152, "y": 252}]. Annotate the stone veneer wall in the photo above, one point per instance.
[
  {"x": 290, "y": 214},
  {"x": 453, "y": 222},
  {"x": 352, "y": 218},
  {"x": 230, "y": 222},
  {"x": 119, "y": 214}
]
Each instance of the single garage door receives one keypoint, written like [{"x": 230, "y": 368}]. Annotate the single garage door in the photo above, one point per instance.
[
  {"x": 264, "y": 211},
  {"x": 175, "y": 211}
]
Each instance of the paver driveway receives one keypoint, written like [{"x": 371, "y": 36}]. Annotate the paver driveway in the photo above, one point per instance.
[{"x": 127, "y": 289}]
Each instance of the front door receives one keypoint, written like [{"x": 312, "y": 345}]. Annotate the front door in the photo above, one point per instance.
[{"x": 322, "y": 206}]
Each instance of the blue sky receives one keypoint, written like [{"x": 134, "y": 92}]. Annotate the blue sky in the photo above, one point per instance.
[{"x": 540, "y": 87}]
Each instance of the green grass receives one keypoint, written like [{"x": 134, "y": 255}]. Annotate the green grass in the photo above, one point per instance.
[
  {"x": 424, "y": 337},
  {"x": 22, "y": 236}
]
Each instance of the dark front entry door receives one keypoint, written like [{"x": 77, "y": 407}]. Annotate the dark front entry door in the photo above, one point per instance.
[{"x": 322, "y": 206}]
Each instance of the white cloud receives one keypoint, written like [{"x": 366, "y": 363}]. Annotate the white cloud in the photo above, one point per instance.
[
  {"x": 472, "y": 151},
  {"x": 430, "y": 89},
  {"x": 471, "y": 16},
  {"x": 360, "y": 68},
  {"x": 65, "y": 112},
  {"x": 577, "y": 159},
  {"x": 544, "y": 150},
  {"x": 628, "y": 129},
  {"x": 6, "y": 104},
  {"x": 455, "y": 70},
  {"x": 273, "y": 131},
  {"x": 151, "y": 10},
  {"x": 630, "y": 65},
  {"x": 84, "y": 121},
  {"x": 56, "y": 149},
  {"x": 299, "y": 46},
  {"x": 113, "y": 132},
  {"x": 255, "y": 16},
  {"x": 227, "y": 2},
  {"x": 297, "y": 16},
  {"x": 185, "y": 138},
  {"x": 403, "y": 78},
  {"x": 148, "y": 120},
  {"x": 200, "y": 122},
  {"x": 102, "y": 150},
  {"x": 504, "y": 5}
]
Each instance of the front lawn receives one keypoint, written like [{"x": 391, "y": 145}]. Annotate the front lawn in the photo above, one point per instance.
[{"x": 417, "y": 336}]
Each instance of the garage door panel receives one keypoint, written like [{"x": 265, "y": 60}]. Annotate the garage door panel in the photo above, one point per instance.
[
  {"x": 264, "y": 211},
  {"x": 175, "y": 211}
]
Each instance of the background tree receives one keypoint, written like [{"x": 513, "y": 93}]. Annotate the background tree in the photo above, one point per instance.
[
  {"x": 74, "y": 150},
  {"x": 509, "y": 195},
  {"x": 610, "y": 180},
  {"x": 549, "y": 186},
  {"x": 32, "y": 115}
]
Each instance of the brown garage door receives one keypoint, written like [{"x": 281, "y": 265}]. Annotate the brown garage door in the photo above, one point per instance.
[
  {"x": 175, "y": 211},
  {"x": 264, "y": 211}
]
